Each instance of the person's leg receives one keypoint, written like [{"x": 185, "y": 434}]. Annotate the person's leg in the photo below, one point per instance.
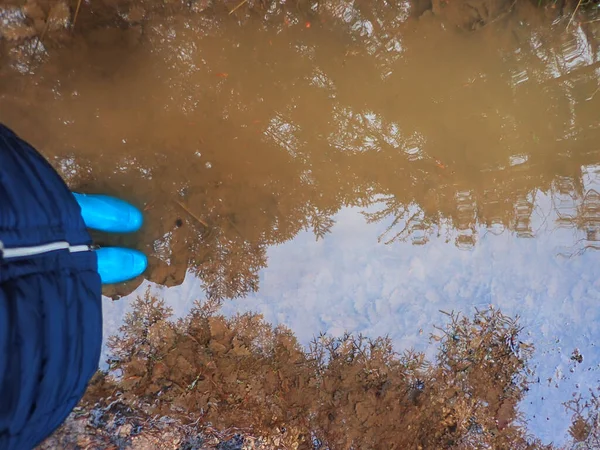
[
  {"x": 50, "y": 298},
  {"x": 109, "y": 214}
]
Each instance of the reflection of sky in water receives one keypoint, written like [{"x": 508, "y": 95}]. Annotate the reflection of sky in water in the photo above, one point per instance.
[{"x": 349, "y": 281}]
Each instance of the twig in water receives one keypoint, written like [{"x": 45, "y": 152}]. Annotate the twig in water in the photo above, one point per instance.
[
  {"x": 503, "y": 15},
  {"x": 574, "y": 12},
  {"x": 41, "y": 38},
  {"x": 192, "y": 214},
  {"x": 76, "y": 13},
  {"x": 591, "y": 97},
  {"x": 237, "y": 230},
  {"x": 237, "y": 7}
]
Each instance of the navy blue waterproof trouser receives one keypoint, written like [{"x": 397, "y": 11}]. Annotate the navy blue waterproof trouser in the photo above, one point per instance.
[{"x": 50, "y": 298}]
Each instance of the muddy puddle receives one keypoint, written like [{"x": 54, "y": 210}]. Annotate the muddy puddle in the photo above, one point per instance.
[{"x": 337, "y": 166}]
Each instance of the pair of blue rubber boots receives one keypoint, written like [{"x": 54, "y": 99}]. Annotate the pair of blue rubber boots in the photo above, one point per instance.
[{"x": 110, "y": 214}]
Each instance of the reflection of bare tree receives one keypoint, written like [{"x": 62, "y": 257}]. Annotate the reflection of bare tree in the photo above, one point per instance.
[{"x": 409, "y": 222}]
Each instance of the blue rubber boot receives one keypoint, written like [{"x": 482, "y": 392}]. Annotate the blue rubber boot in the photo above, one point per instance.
[
  {"x": 116, "y": 265},
  {"x": 111, "y": 214}
]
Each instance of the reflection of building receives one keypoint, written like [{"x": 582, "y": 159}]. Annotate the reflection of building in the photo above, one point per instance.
[
  {"x": 466, "y": 220},
  {"x": 589, "y": 213},
  {"x": 523, "y": 210},
  {"x": 591, "y": 216},
  {"x": 581, "y": 210}
]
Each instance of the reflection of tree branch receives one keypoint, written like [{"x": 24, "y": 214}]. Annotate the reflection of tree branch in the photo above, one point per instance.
[
  {"x": 321, "y": 223},
  {"x": 590, "y": 68},
  {"x": 392, "y": 209},
  {"x": 581, "y": 251},
  {"x": 397, "y": 236}
]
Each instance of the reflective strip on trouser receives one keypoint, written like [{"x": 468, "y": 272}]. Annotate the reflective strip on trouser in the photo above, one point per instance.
[{"x": 20, "y": 252}]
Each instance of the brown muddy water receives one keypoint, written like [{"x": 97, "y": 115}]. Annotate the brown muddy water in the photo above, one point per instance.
[{"x": 444, "y": 157}]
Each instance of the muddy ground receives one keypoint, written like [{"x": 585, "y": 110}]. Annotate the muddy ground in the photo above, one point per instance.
[{"x": 31, "y": 29}]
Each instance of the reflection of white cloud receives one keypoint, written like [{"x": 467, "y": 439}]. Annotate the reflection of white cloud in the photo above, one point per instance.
[{"x": 349, "y": 281}]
